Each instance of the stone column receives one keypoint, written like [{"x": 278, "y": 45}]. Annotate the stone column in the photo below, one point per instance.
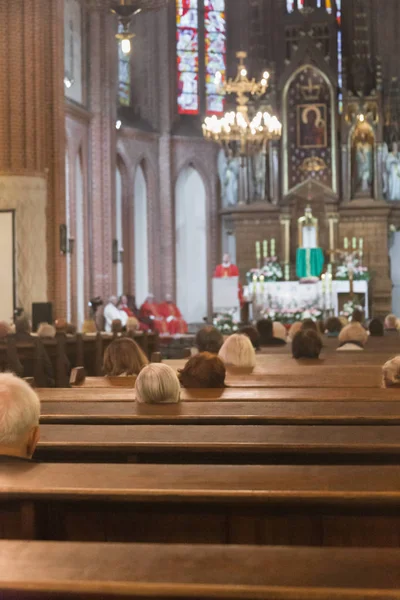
[
  {"x": 32, "y": 140},
  {"x": 103, "y": 101}
]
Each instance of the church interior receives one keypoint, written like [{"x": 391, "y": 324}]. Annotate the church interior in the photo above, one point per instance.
[{"x": 200, "y": 299}]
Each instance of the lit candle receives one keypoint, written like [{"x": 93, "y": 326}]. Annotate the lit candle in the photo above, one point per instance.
[
  {"x": 346, "y": 243},
  {"x": 354, "y": 243},
  {"x": 273, "y": 253}
]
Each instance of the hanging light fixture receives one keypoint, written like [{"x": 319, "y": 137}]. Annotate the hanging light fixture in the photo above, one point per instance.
[
  {"x": 237, "y": 127},
  {"x": 125, "y": 10}
]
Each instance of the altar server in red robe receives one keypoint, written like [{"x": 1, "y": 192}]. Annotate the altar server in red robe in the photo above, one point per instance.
[
  {"x": 173, "y": 316},
  {"x": 226, "y": 269},
  {"x": 151, "y": 310}
]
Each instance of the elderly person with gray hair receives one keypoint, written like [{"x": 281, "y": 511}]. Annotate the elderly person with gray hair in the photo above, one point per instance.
[
  {"x": 19, "y": 419},
  {"x": 157, "y": 384},
  {"x": 237, "y": 352},
  {"x": 391, "y": 373},
  {"x": 352, "y": 337},
  {"x": 112, "y": 313}
]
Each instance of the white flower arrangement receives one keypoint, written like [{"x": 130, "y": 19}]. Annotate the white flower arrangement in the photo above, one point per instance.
[
  {"x": 225, "y": 323},
  {"x": 271, "y": 271}
]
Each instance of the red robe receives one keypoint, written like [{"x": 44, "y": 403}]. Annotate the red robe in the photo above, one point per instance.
[
  {"x": 231, "y": 271},
  {"x": 129, "y": 312},
  {"x": 176, "y": 324},
  {"x": 151, "y": 310}
]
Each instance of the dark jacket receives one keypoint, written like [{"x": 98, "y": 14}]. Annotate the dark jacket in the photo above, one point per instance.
[{"x": 29, "y": 366}]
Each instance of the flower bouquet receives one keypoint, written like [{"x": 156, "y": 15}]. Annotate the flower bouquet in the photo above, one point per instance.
[
  {"x": 360, "y": 273},
  {"x": 271, "y": 271},
  {"x": 225, "y": 323},
  {"x": 350, "y": 306},
  {"x": 289, "y": 315}
]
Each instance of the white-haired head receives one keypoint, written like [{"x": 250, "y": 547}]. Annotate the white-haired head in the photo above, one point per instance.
[
  {"x": 391, "y": 322},
  {"x": 391, "y": 373},
  {"x": 19, "y": 417},
  {"x": 157, "y": 384},
  {"x": 45, "y": 330},
  {"x": 354, "y": 332},
  {"x": 238, "y": 351}
]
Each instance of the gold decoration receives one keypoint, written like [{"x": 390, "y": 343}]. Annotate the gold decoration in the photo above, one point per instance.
[
  {"x": 313, "y": 164},
  {"x": 310, "y": 92}
]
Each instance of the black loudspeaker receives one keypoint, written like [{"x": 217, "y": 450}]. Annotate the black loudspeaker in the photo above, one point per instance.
[{"x": 42, "y": 312}]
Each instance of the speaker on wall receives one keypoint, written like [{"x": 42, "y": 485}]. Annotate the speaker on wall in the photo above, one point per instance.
[{"x": 42, "y": 312}]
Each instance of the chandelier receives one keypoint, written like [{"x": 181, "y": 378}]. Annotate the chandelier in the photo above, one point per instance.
[
  {"x": 125, "y": 10},
  {"x": 237, "y": 126}
]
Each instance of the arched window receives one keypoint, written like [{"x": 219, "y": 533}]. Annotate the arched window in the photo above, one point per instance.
[{"x": 211, "y": 48}]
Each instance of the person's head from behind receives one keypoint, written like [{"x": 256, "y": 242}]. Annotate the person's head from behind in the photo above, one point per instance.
[
  {"x": 89, "y": 326},
  {"x": 309, "y": 324},
  {"x": 158, "y": 384},
  {"x": 252, "y": 334},
  {"x": 19, "y": 417},
  {"x": 333, "y": 326},
  {"x": 116, "y": 326},
  {"x": 376, "y": 328},
  {"x": 209, "y": 339},
  {"x": 279, "y": 331},
  {"x": 5, "y": 329},
  {"x": 204, "y": 370},
  {"x": 238, "y": 351},
  {"x": 391, "y": 373},
  {"x": 307, "y": 343},
  {"x": 123, "y": 357},
  {"x": 353, "y": 332},
  {"x": 45, "y": 330},
  {"x": 357, "y": 316},
  {"x": 23, "y": 325},
  {"x": 61, "y": 325},
  {"x": 132, "y": 325},
  {"x": 391, "y": 322},
  {"x": 264, "y": 328}
]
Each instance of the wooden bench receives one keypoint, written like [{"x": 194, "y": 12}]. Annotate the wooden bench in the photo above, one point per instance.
[
  {"x": 224, "y": 444},
  {"x": 248, "y": 394},
  {"x": 222, "y": 413},
  {"x": 279, "y": 505},
  {"x": 65, "y": 570}
]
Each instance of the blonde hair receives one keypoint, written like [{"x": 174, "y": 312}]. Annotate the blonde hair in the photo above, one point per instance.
[
  {"x": 158, "y": 384},
  {"x": 19, "y": 409},
  {"x": 46, "y": 330},
  {"x": 238, "y": 351},
  {"x": 123, "y": 357},
  {"x": 391, "y": 372},
  {"x": 295, "y": 328},
  {"x": 354, "y": 332},
  {"x": 279, "y": 330},
  {"x": 5, "y": 329},
  {"x": 89, "y": 326},
  {"x": 391, "y": 322},
  {"x": 132, "y": 324}
]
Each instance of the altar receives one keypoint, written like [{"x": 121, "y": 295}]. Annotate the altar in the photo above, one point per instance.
[{"x": 293, "y": 298}]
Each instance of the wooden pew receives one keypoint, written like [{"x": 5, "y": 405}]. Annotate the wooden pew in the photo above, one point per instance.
[
  {"x": 75, "y": 570},
  {"x": 279, "y": 505},
  {"x": 222, "y": 413},
  {"x": 225, "y": 444},
  {"x": 249, "y": 394}
]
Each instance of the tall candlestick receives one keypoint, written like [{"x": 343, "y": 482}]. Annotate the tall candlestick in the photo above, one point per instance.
[
  {"x": 258, "y": 250},
  {"x": 265, "y": 249},
  {"x": 287, "y": 272},
  {"x": 354, "y": 243},
  {"x": 273, "y": 252},
  {"x": 361, "y": 243},
  {"x": 345, "y": 243}
]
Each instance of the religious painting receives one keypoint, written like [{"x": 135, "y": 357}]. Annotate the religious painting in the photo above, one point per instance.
[
  {"x": 311, "y": 126},
  {"x": 308, "y": 135}
]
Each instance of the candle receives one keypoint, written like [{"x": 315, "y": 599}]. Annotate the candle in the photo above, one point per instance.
[
  {"x": 287, "y": 272},
  {"x": 258, "y": 250},
  {"x": 330, "y": 269},
  {"x": 323, "y": 283},
  {"x": 354, "y": 243},
  {"x": 265, "y": 249},
  {"x": 361, "y": 243},
  {"x": 273, "y": 253},
  {"x": 346, "y": 243}
]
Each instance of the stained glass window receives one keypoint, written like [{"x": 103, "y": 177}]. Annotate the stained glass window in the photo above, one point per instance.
[
  {"x": 187, "y": 49},
  {"x": 124, "y": 77},
  {"x": 215, "y": 53}
]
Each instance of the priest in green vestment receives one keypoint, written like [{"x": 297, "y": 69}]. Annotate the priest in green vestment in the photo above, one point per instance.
[{"x": 309, "y": 257}]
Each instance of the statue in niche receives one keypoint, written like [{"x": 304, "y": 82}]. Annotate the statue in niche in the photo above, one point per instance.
[
  {"x": 391, "y": 173},
  {"x": 259, "y": 174},
  {"x": 363, "y": 162},
  {"x": 228, "y": 171}
]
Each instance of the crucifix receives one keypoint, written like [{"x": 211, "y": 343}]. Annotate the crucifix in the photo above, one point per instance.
[{"x": 349, "y": 257}]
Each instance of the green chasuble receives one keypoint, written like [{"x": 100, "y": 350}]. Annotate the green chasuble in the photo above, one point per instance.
[{"x": 309, "y": 262}]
